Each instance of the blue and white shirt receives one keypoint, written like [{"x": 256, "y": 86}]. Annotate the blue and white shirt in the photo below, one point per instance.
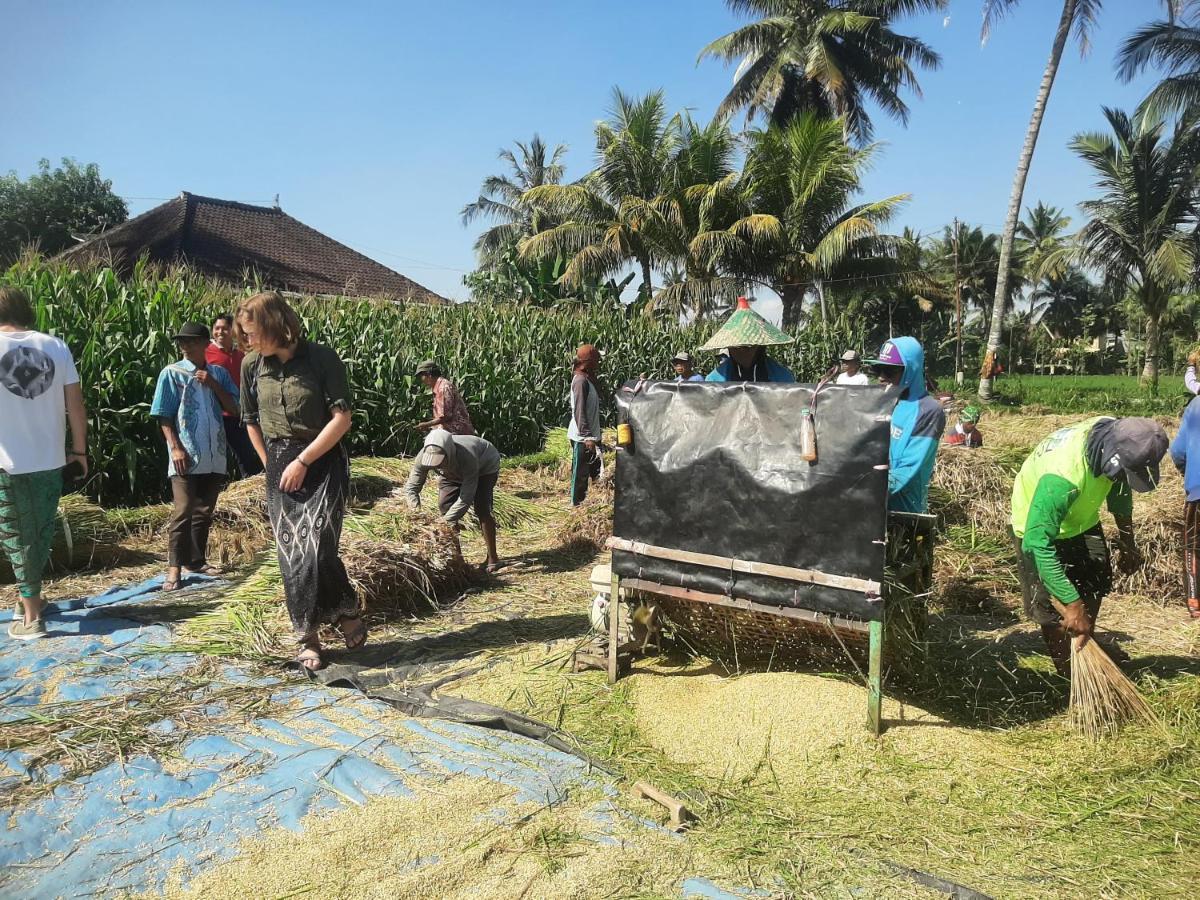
[{"x": 196, "y": 412}]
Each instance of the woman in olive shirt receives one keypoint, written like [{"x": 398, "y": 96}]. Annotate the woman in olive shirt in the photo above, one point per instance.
[{"x": 296, "y": 405}]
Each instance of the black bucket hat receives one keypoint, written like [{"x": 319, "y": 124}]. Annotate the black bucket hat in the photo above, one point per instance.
[{"x": 191, "y": 331}]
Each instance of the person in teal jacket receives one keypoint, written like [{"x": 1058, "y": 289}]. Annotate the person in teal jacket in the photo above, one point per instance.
[
  {"x": 1061, "y": 551},
  {"x": 917, "y": 424}
]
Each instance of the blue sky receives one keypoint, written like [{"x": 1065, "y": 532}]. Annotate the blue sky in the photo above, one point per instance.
[{"x": 375, "y": 122}]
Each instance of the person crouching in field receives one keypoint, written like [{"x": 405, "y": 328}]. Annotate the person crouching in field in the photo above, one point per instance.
[
  {"x": 296, "y": 406},
  {"x": 1061, "y": 551},
  {"x": 39, "y": 393},
  {"x": 449, "y": 410},
  {"x": 966, "y": 433},
  {"x": 188, "y": 401},
  {"x": 1185, "y": 453},
  {"x": 470, "y": 468}
]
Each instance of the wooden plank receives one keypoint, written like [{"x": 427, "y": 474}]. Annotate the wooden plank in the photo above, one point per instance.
[
  {"x": 614, "y": 624},
  {"x": 747, "y": 567},
  {"x": 806, "y": 615},
  {"x": 875, "y": 681},
  {"x": 680, "y": 814}
]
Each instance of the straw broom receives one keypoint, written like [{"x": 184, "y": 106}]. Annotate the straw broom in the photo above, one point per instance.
[{"x": 1102, "y": 697}]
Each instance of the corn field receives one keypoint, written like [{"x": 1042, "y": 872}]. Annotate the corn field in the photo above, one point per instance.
[{"x": 512, "y": 363}]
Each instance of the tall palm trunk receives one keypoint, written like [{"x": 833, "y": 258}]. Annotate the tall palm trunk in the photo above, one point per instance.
[
  {"x": 1018, "y": 191},
  {"x": 647, "y": 290},
  {"x": 1153, "y": 333},
  {"x": 792, "y": 296}
]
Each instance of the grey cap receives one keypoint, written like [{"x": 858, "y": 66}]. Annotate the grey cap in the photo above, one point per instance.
[
  {"x": 427, "y": 367},
  {"x": 1140, "y": 445},
  {"x": 682, "y": 356},
  {"x": 433, "y": 456},
  {"x": 851, "y": 356}
]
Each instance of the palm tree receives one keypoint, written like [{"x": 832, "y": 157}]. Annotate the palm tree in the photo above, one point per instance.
[
  {"x": 1041, "y": 243},
  {"x": 1172, "y": 46},
  {"x": 827, "y": 56},
  {"x": 501, "y": 198},
  {"x": 617, "y": 213},
  {"x": 1141, "y": 233},
  {"x": 1078, "y": 16},
  {"x": 797, "y": 225}
]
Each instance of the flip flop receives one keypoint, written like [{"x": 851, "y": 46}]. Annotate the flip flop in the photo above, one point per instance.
[
  {"x": 354, "y": 637},
  {"x": 211, "y": 571},
  {"x": 168, "y": 586},
  {"x": 309, "y": 659},
  {"x": 493, "y": 568}
]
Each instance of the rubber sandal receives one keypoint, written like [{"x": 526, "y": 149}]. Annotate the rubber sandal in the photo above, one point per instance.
[
  {"x": 354, "y": 637},
  {"x": 168, "y": 586},
  {"x": 210, "y": 571},
  {"x": 493, "y": 568},
  {"x": 1193, "y": 606},
  {"x": 307, "y": 655}
]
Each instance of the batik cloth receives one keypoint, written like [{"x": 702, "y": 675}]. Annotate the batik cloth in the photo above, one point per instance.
[
  {"x": 308, "y": 528},
  {"x": 448, "y": 406},
  {"x": 28, "y": 510},
  {"x": 196, "y": 413}
]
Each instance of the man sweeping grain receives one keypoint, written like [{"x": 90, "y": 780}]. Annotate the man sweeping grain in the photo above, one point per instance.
[
  {"x": 1185, "y": 453},
  {"x": 584, "y": 427},
  {"x": 917, "y": 424},
  {"x": 1056, "y": 499},
  {"x": 39, "y": 394},
  {"x": 189, "y": 398},
  {"x": 449, "y": 410},
  {"x": 470, "y": 468}
]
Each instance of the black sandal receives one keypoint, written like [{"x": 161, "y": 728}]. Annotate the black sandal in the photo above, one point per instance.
[{"x": 354, "y": 637}]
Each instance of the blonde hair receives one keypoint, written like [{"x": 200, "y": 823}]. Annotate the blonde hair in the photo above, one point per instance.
[{"x": 276, "y": 320}]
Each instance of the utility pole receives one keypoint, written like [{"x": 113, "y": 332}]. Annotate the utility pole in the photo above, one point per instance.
[{"x": 958, "y": 372}]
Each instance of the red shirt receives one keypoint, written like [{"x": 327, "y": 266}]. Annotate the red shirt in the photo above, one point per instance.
[{"x": 231, "y": 362}]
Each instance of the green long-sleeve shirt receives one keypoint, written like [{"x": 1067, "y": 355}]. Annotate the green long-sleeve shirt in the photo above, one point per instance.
[{"x": 1052, "y": 498}]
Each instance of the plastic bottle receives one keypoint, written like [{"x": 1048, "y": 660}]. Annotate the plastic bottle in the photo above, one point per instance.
[{"x": 808, "y": 437}]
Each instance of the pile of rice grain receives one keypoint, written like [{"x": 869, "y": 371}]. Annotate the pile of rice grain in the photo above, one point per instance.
[
  {"x": 465, "y": 838},
  {"x": 776, "y": 724}
]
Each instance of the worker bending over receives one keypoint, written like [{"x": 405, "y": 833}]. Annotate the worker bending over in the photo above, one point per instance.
[
  {"x": 470, "y": 468},
  {"x": 1061, "y": 551},
  {"x": 917, "y": 424}
]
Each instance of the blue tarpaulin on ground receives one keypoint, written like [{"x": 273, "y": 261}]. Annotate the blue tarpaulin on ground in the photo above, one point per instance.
[{"x": 126, "y": 826}]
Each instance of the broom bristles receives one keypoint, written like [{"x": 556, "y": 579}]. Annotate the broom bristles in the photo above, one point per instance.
[{"x": 1102, "y": 697}]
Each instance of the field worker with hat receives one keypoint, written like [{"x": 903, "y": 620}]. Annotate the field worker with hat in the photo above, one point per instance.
[
  {"x": 449, "y": 410},
  {"x": 966, "y": 431},
  {"x": 584, "y": 428},
  {"x": 681, "y": 362},
  {"x": 1185, "y": 453},
  {"x": 746, "y": 334},
  {"x": 1056, "y": 499},
  {"x": 188, "y": 402},
  {"x": 851, "y": 365},
  {"x": 470, "y": 468},
  {"x": 917, "y": 424}
]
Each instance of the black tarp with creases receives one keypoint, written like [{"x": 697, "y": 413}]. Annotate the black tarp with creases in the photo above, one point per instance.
[{"x": 716, "y": 468}]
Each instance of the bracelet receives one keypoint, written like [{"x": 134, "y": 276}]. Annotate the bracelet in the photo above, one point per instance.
[
  {"x": 77, "y": 453},
  {"x": 302, "y": 462}
]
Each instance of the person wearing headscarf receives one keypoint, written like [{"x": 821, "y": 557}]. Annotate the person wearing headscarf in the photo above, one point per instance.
[
  {"x": 584, "y": 429},
  {"x": 917, "y": 424},
  {"x": 470, "y": 468},
  {"x": 1061, "y": 551},
  {"x": 747, "y": 335},
  {"x": 966, "y": 431}
]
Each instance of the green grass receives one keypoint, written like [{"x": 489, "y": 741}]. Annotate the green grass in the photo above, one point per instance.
[{"x": 1119, "y": 395}]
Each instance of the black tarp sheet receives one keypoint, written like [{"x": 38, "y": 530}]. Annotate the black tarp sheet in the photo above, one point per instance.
[{"x": 716, "y": 468}]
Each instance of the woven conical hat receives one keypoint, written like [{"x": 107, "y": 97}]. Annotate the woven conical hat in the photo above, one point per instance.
[{"x": 746, "y": 328}]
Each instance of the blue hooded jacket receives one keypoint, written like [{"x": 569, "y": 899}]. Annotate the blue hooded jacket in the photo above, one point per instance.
[
  {"x": 1185, "y": 450},
  {"x": 917, "y": 425}
]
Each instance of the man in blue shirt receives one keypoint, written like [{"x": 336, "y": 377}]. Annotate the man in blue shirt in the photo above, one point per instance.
[
  {"x": 681, "y": 362},
  {"x": 188, "y": 401},
  {"x": 1185, "y": 453}
]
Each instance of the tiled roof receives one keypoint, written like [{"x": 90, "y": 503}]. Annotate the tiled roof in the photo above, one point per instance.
[{"x": 229, "y": 240}]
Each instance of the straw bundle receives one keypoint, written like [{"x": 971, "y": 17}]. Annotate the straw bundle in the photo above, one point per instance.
[
  {"x": 1102, "y": 697},
  {"x": 591, "y": 523}
]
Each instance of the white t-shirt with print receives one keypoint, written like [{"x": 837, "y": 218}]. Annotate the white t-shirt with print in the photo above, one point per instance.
[
  {"x": 34, "y": 369},
  {"x": 859, "y": 378}
]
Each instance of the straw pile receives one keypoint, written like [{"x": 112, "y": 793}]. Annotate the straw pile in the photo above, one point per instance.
[
  {"x": 591, "y": 523},
  {"x": 1102, "y": 698},
  {"x": 83, "y": 537}
]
